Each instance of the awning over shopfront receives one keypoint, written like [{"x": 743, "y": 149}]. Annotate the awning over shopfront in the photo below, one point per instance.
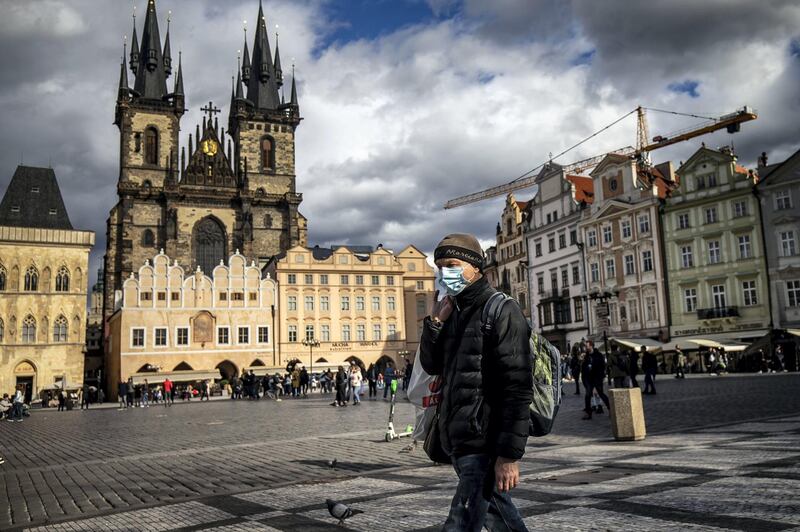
[
  {"x": 175, "y": 376},
  {"x": 727, "y": 345},
  {"x": 637, "y": 343},
  {"x": 795, "y": 332}
]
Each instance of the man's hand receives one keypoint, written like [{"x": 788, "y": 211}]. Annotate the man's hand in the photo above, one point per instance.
[
  {"x": 441, "y": 310},
  {"x": 506, "y": 474}
]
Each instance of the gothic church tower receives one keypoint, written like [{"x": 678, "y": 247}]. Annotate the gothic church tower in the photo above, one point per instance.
[{"x": 202, "y": 207}]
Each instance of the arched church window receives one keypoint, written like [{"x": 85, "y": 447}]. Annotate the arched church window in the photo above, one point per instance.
[
  {"x": 148, "y": 238},
  {"x": 267, "y": 221},
  {"x": 151, "y": 145},
  {"x": 62, "y": 280},
  {"x": 31, "y": 279},
  {"x": 209, "y": 243},
  {"x": 29, "y": 330},
  {"x": 267, "y": 153},
  {"x": 60, "y": 329},
  {"x": 2, "y": 278}
]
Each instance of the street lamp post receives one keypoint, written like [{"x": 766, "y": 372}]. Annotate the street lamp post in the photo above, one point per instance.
[
  {"x": 602, "y": 312},
  {"x": 311, "y": 344}
]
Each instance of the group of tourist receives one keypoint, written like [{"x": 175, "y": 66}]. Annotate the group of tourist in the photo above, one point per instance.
[{"x": 13, "y": 407}]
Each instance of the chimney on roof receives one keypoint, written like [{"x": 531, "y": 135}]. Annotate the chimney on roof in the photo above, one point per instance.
[{"x": 762, "y": 161}]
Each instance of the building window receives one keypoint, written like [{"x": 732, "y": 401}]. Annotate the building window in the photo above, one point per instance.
[
  {"x": 554, "y": 281},
  {"x": 62, "y": 280},
  {"x": 291, "y": 303},
  {"x": 633, "y": 307},
  {"x": 345, "y": 300},
  {"x": 390, "y": 303},
  {"x": 160, "y": 337},
  {"x": 745, "y": 250},
  {"x": 787, "y": 243},
  {"x": 146, "y": 296},
  {"x": 607, "y": 237},
  {"x": 711, "y": 215},
  {"x": 749, "y": 293},
  {"x": 376, "y": 332},
  {"x": 613, "y": 314},
  {"x": 700, "y": 182},
  {"x": 323, "y": 278},
  {"x": 390, "y": 280},
  {"x": 683, "y": 221},
  {"x": 714, "y": 256},
  {"x": 2, "y": 329},
  {"x": 325, "y": 333},
  {"x": 739, "y": 209},
  {"x": 687, "y": 260},
  {"x": 562, "y": 240},
  {"x": 361, "y": 332},
  {"x": 345, "y": 333},
  {"x": 31, "y": 279},
  {"x": 210, "y": 244},
  {"x": 783, "y": 200},
  {"x": 60, "y": 329},
  {"x": 647, "y": 261},
  {"x": 611, "y": 269},
  {"x": 291, "y": 278},
  {"x": 324, "y": 303},
  {"x": 309, "y": 278},
  {"x": 344, "y": 279},
  {"x": 644, "y": 223},
  {"x": 292, "y": 333},
  {"x": 793, "y": 293},
  {"x": 252, "y": 296},
  {"x": 2, "y": 279},
  {"x": 137, "y": 337},
  {"x": 182, "y": 336},
  {"x": 690, "y": 299},
  {"x": 591, "y": 236},
  {"x": 523, "y": 302},
  {"x": 650, "y": 309},
  {"x": 629, "y": 268},
  {"x": 223, "y": 296},
  {"x": 360, "y": 303},
  {"x": 243, "y": 335},
  {"x": 421, "y": 308},
  {"x": 718, "y": 295},
  {"x": 263, "y": 334},
  {"x": 626, "y": 228},
  {"x": 148, "y": 238},
  {"x": 573, "y": 237},
  {"x": 309, "y": 302},
  {"x": 712, "y": 180},
  {"x": 237, "y": 296},
  {"x": 309, "y": 333},
  {"x": 564, "y": 277},
  {"x": 267, "y": 153},
  {"x": 391, "y": 331},
  {"x": 176, "y": 296},
  {"x": 594, "y": 269},
  {"x": 576, "y": 274},
  {"x": 376, "y": 280},
  {"x": 223, "y": 336},
  {"x": 420, "y": 285},
  {"x": 359, "y": 279},
  {"x": 538, "y": 248},
  {"x": 547, "y": 314},
  {"x": 151, "y": 145},
  {"x": 578, "y": 306},
  {"x": 376, "y": 303},
  {"x": 551, "y": 244}
]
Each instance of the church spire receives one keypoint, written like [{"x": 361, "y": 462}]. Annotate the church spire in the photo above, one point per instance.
[
  {"x": 293, "y": 102},
  {"x": 246, "y": 60},
  {"x": 262, "y": 88},
  {"x": 151, "y": 81},
  {"x": 167, "y": 52},
  {"x": 239, "y": 91},
  {"x": 278, "y": 71},
  {"x": 134, "y": 63},
  {"x": 124, "y": 89},
  {"x": 179, "y": 78}
]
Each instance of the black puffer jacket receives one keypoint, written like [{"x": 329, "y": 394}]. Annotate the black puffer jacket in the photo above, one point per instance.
[{"x": 487, "y": 392}]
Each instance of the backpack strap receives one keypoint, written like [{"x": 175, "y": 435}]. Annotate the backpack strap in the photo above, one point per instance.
[{"x": 491, "y": 312}]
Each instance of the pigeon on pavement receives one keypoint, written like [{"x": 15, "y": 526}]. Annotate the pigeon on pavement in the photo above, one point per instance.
[
  {"x": 332, "y": 463},
  {"x": 340, "y": 510}
]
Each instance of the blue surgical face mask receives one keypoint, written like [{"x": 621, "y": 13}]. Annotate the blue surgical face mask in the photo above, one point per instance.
[{"x": 453, "y": 280}]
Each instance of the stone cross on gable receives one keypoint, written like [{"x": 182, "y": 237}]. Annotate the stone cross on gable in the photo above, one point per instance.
[{"x": 210, "y": 110}]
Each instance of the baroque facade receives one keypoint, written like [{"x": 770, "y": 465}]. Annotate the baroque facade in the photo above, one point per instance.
[
  {"x": 511, "y": 256},
  {"x": 556, "y": 266},
  {"x": 715, "y": 261},
  {"x": 202, "y": 205},
  {"x": 43, "y": 286},
  {"x": 187, "y": 325}
]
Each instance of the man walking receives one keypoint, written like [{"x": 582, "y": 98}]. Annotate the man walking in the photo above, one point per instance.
[
  {"x": 575, "y": 366},
  {"x": 122, "y": 393},
  {"x": 593, "y": 370},
  {"x": 487, "y": 389},
  {"x": 168, "y": 397},
  {"x": 650, "y": 367},
  {"x": 388, "y": 376},
  {"x": 372, "y": 379},
  {"x": 618, "y": 367}
]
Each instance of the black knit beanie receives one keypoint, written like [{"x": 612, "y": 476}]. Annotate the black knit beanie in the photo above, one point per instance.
[{"x": 460, "y": 246}]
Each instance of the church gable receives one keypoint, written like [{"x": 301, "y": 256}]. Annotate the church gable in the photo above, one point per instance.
[{"x": 208, "y": 166}]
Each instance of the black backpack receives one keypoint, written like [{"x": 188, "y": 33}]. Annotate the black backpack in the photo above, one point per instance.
[{"x": 546, "y": 369}]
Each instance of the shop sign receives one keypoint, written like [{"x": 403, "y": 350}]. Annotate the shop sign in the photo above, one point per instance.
[{"x": 24, "y": 367}]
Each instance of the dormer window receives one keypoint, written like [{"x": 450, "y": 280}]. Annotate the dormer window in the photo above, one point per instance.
[
  {"x": 15, "y": 208},
  {"x": 53, "y": 212}
]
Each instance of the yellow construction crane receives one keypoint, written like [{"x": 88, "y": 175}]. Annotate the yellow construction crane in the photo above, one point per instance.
[{"x": 644, "y": 145}]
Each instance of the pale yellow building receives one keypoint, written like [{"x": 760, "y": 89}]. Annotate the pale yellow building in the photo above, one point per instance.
[
  {"x": 43, "y": 286},
  {"x": 190, "y": 326},
  {"x": 360, "y": 304}
]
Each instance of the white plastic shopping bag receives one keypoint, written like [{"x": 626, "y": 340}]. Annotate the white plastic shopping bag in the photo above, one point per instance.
[{"x": 424, "y": 392}]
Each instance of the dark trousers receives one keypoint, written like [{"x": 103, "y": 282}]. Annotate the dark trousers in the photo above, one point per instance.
[
  {"x": 634, "y": 382},
  {"x": 373, "y": 388},
  {"x": 387, "y": 388},
  {"x": 587, "y": 399},
  {"x": 129, "y": 397},
  {"x": 477, "y": 503},
  {"x": 577, "y": 376},
  {"x": 650, "y": 382}
]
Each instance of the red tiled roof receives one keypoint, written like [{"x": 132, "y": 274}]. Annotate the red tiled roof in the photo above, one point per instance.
[{"x": 584, "y": 188}]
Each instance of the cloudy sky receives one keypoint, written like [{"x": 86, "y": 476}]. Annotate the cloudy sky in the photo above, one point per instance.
[{"x": 408, "y": 103}]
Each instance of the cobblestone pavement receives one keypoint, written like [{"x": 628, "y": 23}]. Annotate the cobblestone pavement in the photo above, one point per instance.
[{"x": 722, "y": 454}]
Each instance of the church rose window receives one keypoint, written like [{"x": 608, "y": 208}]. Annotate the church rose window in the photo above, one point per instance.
[
  {"x": 209, "y": 244},
  {"x": 151, "y": 146}
]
